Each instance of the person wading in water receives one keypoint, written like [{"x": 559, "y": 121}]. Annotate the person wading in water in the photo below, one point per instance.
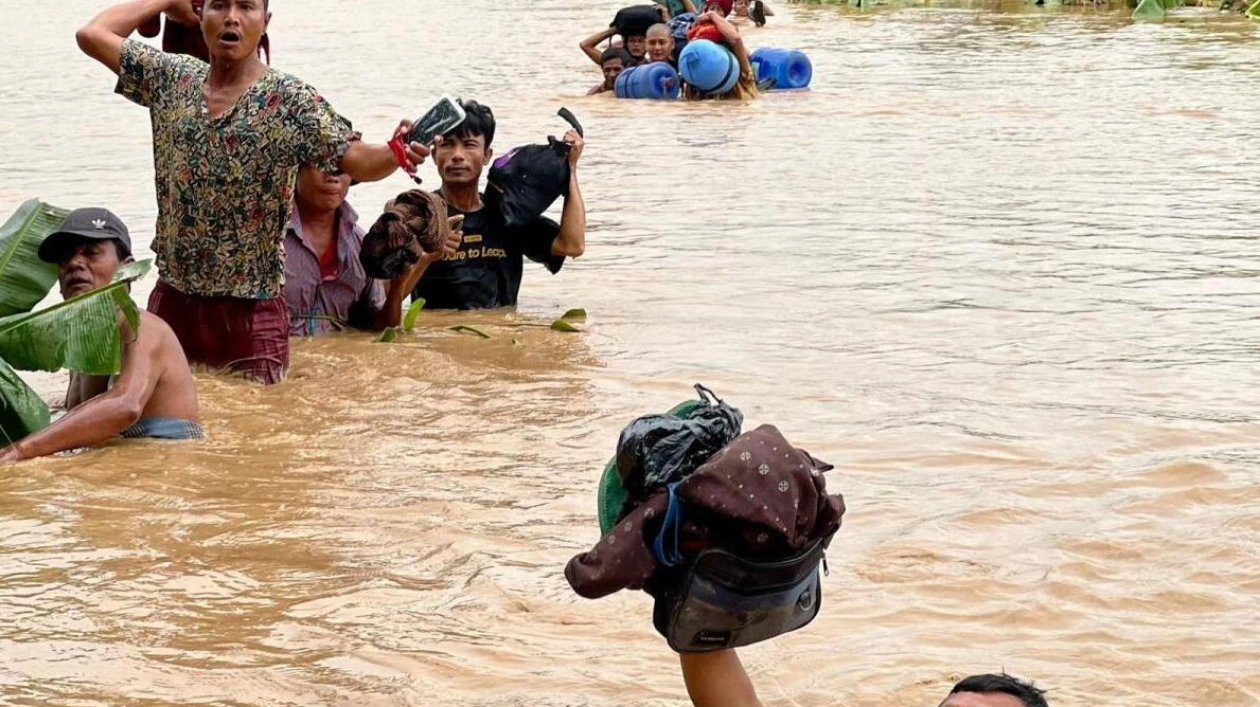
[{"x": 228, "y": 139}]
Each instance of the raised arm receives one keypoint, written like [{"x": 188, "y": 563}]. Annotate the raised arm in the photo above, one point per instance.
[
  {"x": 691, "y": 6},
  {"x": 103, "y": 37},
  {"x": 390, "y": 315},
  {"x": 107, "y": 414},
  {"x": 717, "y": 680},
  {"x": 372, "y": 163},
  {"x": 571, "y": 240},
  {"x": 590, "y": 44}
]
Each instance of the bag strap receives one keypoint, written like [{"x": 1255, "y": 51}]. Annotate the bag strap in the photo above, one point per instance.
[
  {"x": 707, "y": 396},
  {"x": 666, "y": 548}
]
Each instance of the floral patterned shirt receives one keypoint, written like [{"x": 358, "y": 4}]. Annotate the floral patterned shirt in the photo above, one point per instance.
[{"x": 225, "y": 184}]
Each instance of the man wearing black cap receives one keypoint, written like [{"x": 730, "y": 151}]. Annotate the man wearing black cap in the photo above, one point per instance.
[{"x": 154, "y": 395}]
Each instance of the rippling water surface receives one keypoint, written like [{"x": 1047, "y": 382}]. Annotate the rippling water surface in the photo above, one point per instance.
[{"x": 1000, "y": 266}]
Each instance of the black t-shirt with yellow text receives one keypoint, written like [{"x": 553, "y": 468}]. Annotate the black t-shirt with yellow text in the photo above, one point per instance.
[{"x": 486, "y": 272}]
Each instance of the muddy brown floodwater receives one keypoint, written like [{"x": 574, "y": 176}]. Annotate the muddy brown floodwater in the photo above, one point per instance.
[{"x": 1000, "y": 267}]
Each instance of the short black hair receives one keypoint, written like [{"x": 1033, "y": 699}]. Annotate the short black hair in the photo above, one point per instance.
[
  {"x": 1004, "y": 684},
  {"x": 478, "y": 120},
  {"x": 616, "y": 53}
]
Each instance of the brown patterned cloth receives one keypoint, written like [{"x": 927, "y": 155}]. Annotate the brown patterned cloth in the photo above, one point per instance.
[
  {"x": 759, "y": 498},
  {"x": 414, "y": 223}
]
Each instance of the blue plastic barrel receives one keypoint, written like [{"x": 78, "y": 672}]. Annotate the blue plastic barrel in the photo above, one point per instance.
[
  {"x": 709, "y": 67},
  {"x": 657, "y": 80},
  {"x": 788, "y": 67}
]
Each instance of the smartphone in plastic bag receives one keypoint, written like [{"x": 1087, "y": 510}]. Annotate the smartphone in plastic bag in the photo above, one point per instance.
[{"x": 444, "y": 116}]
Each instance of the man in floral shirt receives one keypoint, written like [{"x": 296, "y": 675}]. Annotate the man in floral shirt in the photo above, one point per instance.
[{"x": 228, "y": 139}]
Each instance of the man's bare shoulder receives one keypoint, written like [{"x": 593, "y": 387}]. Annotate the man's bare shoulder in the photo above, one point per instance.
[{"x": 159, "y": 333}]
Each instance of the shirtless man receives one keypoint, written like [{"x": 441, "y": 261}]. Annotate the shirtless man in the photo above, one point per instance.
[
  {"x": 154, "y": 395},
  {"x": 612, "y": 62}
]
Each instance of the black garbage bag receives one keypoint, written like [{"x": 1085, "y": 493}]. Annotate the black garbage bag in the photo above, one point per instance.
[
  {"x": 657, "y": 450},
  {"x": 526, "y": 181},
  {"x": 634, "y": 21}
]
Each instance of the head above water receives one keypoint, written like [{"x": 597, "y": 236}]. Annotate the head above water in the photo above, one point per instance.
[
  {"x": 233, "y": 29},
  {"x": 321, "y": 191},
  {"x": 636, "y": 45},
  {"x": 463, "y": 153},
  {"x": 722, "y": 6},
  {"x": 995, "y": 691},
  {"x": 613, "y": 61},
  {"x": 660, "y": 43},
  {"x": 88, "y": 248}
]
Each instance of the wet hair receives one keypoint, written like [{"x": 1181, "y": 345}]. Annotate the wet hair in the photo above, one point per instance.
[
  {"x": 616, "y": 53},
  {"x": 478, "y": 120},
  {"x": 1004, "y": 684}
]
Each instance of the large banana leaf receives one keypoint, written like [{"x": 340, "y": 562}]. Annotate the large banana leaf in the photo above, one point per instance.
[
  {"x": 24, "y": 278},
  {"x": 21, "y": 410},
  {"x": 80, "y": 334}
]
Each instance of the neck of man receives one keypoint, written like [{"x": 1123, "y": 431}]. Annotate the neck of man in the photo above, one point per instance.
[
  {"x": 319, "y": 225},
  {"x": 225, "y": 72},
  {"x": 464, "y": 197}
]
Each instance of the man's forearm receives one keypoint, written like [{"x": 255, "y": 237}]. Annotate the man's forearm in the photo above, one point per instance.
[
  {"x": 368, "y": 163},
  {"x": 102, "y": 38},
  {"x": 390, "y": 314},
  {"x": 89, "y": 424},
  {"x": 571, "y": 241},
  {"x": 717, "y": 680},
  {"x": 588, "y": 45},
  {"x": 121, "y": 20}
]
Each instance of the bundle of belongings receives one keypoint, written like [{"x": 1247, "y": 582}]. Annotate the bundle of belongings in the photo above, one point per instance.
[
  {"x": 414, "y": 223},
  {"x": 726, "y": 531},
  {"x": 526, "y": 181}
]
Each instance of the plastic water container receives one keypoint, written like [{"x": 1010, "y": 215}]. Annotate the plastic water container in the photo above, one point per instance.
[
  {"x": 788, "y": 67},
  {"x": 656, "y": 80},
  {"x": 709, "y": 67}
]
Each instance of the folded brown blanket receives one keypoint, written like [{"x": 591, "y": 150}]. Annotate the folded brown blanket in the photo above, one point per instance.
[{"x": 414, "y": 223}]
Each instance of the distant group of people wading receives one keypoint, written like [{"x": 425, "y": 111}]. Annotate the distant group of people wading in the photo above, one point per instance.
[
  {"x": 716, "y": 20},
  {"x": 256, "y": 242}
]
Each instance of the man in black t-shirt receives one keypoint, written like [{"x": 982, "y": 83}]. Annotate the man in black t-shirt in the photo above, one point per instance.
[{"x": 486, "y": 271}]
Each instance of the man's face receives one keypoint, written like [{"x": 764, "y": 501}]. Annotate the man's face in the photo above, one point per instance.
[
  {"x": 637, "y": 46},
  {"x": 659, "y": 44},
  {"x": 612, "y": 69},
  {"x": 982, "y": 699},
  {"x": 741, "y": 8},
  {"x": 323, "y": 190},
  {"x": 460, "y": 160},
  {"x": 233, "y": 28},
  {"x": 86, "y": 265}
]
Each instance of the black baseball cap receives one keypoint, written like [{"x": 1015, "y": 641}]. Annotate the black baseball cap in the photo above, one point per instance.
[{"x": 93, "y": 224}]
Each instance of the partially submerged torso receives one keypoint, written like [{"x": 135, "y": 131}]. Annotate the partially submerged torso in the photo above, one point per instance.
[{"x": 175, "y": 391}]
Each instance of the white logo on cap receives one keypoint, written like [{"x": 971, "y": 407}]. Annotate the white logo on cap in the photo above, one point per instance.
[{"x": 99, "y": 223}]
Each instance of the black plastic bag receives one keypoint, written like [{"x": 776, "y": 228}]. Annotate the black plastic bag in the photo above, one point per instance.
[
  {"x": 657, "y": 450},
  {"x": 634, "y": 21},
  {"x": 526, "y": 181}
]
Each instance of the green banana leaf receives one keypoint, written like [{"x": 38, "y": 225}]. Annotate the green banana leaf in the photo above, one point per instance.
[
  {"x": 25, "y": 279},
  {"x": 1253, "y": 12},
  {"x": 1149, "y": 10},
  {"x": 80, "y": 334},
  {"x": 21, "y": 410}
]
